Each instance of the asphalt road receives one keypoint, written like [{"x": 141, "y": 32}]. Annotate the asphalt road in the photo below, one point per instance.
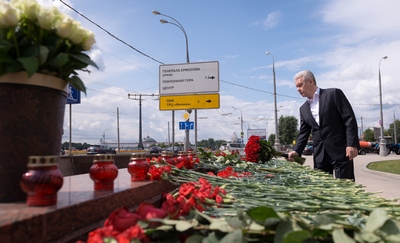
[{"x": 386, "y": 184}]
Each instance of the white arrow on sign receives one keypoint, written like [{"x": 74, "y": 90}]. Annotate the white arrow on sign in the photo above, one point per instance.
[{"x": 196, "y": 77}]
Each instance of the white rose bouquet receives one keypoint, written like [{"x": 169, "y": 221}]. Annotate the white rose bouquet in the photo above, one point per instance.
[{"x": 34, "y": 38}]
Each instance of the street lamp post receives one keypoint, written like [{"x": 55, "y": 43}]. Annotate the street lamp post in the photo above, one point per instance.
[
  {"x": 180, "y": 26},
  {"x": 382, "y": 143},
  {"x": 241, "y": 125},
  {"x": 277, "y": 144}
]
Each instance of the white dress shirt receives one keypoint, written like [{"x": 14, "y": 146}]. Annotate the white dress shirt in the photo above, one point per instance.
[{"x": 314, "y": 106}]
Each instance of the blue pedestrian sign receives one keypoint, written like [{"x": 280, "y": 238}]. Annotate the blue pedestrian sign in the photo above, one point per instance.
[
  {"x": 74, "y": 95},
  {"x": 186, "y": 125}
]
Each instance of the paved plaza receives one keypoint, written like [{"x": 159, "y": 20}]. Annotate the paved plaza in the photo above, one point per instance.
[{"x": 387, "y": 184}]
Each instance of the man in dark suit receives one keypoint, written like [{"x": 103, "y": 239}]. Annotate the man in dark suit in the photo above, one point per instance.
[{"x": 328, "y": 116}]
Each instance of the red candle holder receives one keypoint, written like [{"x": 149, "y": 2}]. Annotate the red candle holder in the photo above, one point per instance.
[
  {"x": 103, "y": 172},
  {"x": 168, "y": 157},
  {"x": 138, "y": 167},
  {"x": 42, "y": 181},
  {"x": 183, "y": 157}
]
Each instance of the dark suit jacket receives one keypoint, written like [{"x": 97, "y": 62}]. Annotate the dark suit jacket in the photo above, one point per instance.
[{"x": 337, "y": 126}]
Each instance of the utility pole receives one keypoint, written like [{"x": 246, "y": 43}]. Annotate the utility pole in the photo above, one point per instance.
[
  {"x": 139, "y": 98},
  {"x": 119, "y": 149}
]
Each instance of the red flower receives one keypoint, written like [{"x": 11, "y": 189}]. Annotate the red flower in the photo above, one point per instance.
[
  {"x": 148, "y": 211},
  {"x": 96, "y": 236},
  {"x": 121, "y": 219},
  {"x": 253, "y": 149},
  {"x": 132, "y": 233},
  {"x": 186, "y": 189},
  {"x": 171, "y": 206},
  {"x": 219, "y": 199},
  {"x": 156, "y": 172}
]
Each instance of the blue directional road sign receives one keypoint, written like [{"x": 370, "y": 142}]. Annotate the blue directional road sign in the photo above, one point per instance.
[{"x": 186, "y": 125}]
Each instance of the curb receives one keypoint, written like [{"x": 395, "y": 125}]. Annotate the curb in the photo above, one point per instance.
[{"x": 380, "y": 173}]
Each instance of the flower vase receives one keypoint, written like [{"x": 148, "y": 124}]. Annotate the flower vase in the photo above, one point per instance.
[{"x": 31, "y": 123}]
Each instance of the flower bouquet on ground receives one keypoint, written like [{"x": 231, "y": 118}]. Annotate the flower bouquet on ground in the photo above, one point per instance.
[
  {"x": 37, "y": 39},
  {"x": 258, "y": 150}
]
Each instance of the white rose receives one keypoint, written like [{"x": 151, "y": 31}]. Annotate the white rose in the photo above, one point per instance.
[
  {"x": 29, "y": 8},
  {"x": 47, "y": 17},
  {"x": 64, "y": 26},
  {"x": 89, "y": 40},
  {"x": 77, "y": 33},
  {"x": 9, "y": 16}
]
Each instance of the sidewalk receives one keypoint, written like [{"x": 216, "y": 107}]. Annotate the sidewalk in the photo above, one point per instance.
[{"x": 387, "y": 184}]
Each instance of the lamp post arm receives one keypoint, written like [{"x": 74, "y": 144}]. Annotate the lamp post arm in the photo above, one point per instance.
[{"x": 186, "y": 38}]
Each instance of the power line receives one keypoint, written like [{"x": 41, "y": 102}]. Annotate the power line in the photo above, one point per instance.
[
  {"x": 115, "y": 37},
  {"x": 142, "y": 53},
  {"x": 258, "y": 90}
]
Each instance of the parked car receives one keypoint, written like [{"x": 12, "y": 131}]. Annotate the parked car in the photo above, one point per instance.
[
  {"x": 308, "y": 150},
  {"x": 236, "y": 147},
  {"x": 155, "y": 150},
  {"x": 100, "y": 149},
  {"x": 176, "y": 149}
]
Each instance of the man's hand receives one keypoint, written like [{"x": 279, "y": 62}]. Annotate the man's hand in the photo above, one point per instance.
[
  {"x": 351, "y": 152},
  {"x": 290, "y": 154}
]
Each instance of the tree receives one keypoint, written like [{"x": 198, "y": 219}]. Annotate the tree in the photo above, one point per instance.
[
  {"x": 287, "y": 129},
  {"x": 271, "y": 139},
  {"x": 390, "y": 131},
  {"x": 369, "y": 135}
]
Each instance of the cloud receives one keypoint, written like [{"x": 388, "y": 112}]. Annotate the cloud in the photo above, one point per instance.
[
  {"x": 270, "y": 22},
  {"x": 374, "y": 18}
]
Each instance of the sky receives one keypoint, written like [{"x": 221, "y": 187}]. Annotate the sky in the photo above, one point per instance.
[{"x": 341, "y": 41}]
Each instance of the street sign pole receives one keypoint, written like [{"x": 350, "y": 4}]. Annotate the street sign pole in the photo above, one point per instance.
[{"x": 189, "y": 78}]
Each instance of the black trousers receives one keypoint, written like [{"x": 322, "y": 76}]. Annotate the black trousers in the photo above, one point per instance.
[{"x": 342, "y": 169}]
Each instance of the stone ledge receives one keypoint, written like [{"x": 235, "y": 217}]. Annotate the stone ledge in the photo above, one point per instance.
[{"x": 79, "y": 209}]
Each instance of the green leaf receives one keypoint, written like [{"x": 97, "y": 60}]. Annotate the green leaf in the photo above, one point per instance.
[
  {"x": 340, "y": 237},
  {"x": 43, "y": 54},
  {"x": 183, "y": 225},
  {"x": 77, "y": 83},
  {"x": 233, "y": 237},
  {"x": 297, "y": 236},
  {"x": 376, "y": 219},
  {"x": 261, "y": 214},
  {"x": 221, "y": 225},
  {"x": 366, "y": 236},
  {"x": 393, "y": 238},
  {"x": 203, "y": 218},
  {"x": 391, "y": 227},
  {"x": 285, "y": 227},
  {"x": 256, "y": 227},
  {"x": 211, "y": 238},
  {"x": 194, "y": 239},
  {"x": 30, "y": 64},
  {"x": 84, "y": 58},
  {"x": 326, "y": 221},
  {"x": 60, "y": 60},
  {"x": 4, "y": 58}
]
